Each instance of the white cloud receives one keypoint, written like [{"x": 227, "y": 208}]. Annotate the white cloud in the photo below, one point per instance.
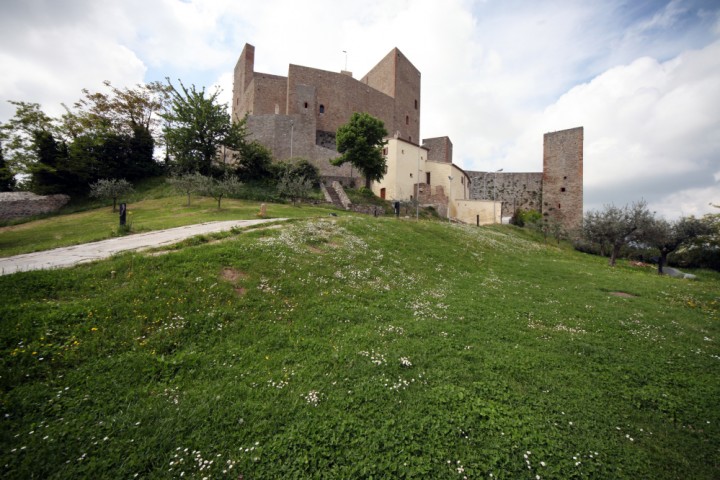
[
  {"x": 495, "y": 75},
  {"x": 650, "y": 128}
]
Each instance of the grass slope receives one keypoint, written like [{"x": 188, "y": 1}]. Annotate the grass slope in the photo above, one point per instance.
[
  {"x": 143, "y": 215},
  {"x": 360, "y": 348}
]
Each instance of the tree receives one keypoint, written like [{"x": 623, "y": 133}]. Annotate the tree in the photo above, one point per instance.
[
  {"x": 7, "y": 179},
  {"x": 218, "y": 188},
  {"x": 254, "y": 162},
  {"x": 360, "y": 141},
  {"x": 294, "y": 187},
  {"x": 21, "y": 132},
  {"x": 111, "y": 188},
  {"x": 187, "y": 183},
  {"x": 197, "y": 128},
  {"x": 617, "y": 226},
  {"x": 119, "y": 110},
  {"x": 669, "y": 236}
]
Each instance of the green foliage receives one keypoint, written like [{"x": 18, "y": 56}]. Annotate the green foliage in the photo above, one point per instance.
[
  {"x": 297, "y": 168},
  {"x": 7, "y": 179},
  {"x": 254, "y": 162},
  {"x": 360, "y": 142},
  {"x": 197, "y": 128},
  {"x": 357, "y": 347},
  {"x": 111, "y": 189},
  {"x": 294, "y": 187},
  {"x": 187, "y": 183},
  {"x": 218, "y": 188},
  {"x": 20, "y": 132},
  {"x": 615, "y": 227},
  {"x": 528, "y": 218}
]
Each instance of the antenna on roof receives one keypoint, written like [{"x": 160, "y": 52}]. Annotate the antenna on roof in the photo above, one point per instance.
[{"x": 345, "y": 52}]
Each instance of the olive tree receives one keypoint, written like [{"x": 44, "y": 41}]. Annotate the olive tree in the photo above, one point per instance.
[
  {"x": 111, "y": 188},
  {"x": 615, "y": 227}
]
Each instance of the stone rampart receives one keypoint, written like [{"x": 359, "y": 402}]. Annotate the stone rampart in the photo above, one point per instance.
[{"x": 25, "y": 204}]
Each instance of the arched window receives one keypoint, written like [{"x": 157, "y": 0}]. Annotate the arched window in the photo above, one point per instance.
[{"x": 322, "y": 108}]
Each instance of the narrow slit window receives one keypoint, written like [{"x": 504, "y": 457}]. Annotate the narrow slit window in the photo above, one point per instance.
[{"x": 322, "y": 108}]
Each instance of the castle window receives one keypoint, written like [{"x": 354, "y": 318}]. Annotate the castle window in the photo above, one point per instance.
[
  {"x": 385, "y": 151},
  {"x": 306, "y": 105},
  {"x": 562, "y": 189},
  {"x": 407, "y": 120},
  {"x": 427, "y": 178},
  {"x": 411, "y": 175},
  {"x": 558, "y": 206},
  {"x": 322, "y": 108},
  {"x": 415, "y": 104}
]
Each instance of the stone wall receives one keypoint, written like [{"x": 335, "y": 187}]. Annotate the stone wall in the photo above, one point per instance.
[
  {"x": 322, "y": 101},
  {"x": 514, "y": 189},
  {"x": 562, "y": 198},
  {"x": 440, "y": 149},
  {"x": 25, "y": 204}
]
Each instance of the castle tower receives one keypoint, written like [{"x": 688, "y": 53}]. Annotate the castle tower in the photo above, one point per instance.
[
  {"x": 396, "y": 77},
  {"x": 562, "y": 184}
]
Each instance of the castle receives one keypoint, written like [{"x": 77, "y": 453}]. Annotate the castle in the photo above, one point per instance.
[{"x": 297, "y": 116}]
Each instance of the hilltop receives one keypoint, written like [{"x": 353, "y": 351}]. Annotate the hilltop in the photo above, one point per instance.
[{"x": 358, "y": 347}]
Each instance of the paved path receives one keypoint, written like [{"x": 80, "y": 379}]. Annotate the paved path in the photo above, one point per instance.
[{"x": 88, "y": 252}]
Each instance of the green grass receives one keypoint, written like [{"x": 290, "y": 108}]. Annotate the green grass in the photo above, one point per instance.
[
  {"x": 360, "y": 348},
  {"x": 152, "y": 213}
]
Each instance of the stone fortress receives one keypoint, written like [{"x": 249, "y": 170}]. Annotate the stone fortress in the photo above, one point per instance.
[{"x": 296, "y": 116}]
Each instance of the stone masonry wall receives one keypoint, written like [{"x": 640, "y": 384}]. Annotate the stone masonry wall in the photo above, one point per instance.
[
  {"x": 439, "y": 149},
  {"x": 25, "y": 204},
  {"x": 563, "y": 177},
  {"x": 514, "y": 189}
]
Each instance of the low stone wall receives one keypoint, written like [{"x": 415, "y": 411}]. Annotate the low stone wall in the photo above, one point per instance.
[{"x": 25, "y": 204}]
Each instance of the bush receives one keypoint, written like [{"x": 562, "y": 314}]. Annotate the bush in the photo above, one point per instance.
[{"x": 525, "y": 217}]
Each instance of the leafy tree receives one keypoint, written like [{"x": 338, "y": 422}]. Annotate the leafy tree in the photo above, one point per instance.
[
  {"x": 254, "y": 162},
  {"x": 360, "y": 141},
  {"x": 218, "y": 188},
  {"x": 48, "y": 174},
  {"x": 7, "y": 179},
  {"x": 617, "y": 226},
  {"x": 21, "y": 132},
  {"x": 187, "y": 183},
  {"x": 669, "y": 236},
  {"x": 111, "y": 188},
  {"x": 197, "y": 128},
  {"x": 119, "y": 110},
  {"x": 294, "y": 187}
]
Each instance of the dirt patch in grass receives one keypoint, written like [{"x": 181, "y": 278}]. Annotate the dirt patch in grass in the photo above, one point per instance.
[
  {"x": 232, "y": 275},
  {"x": 316, "y": 250},
  {"x": 241, "y": 291},
  {"x": 622, "y": 294}
]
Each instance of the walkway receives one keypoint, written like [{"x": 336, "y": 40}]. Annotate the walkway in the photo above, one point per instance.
[{"x": 88, "y": 252}]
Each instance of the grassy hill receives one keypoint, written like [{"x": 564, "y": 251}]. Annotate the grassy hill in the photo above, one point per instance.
[{"x": 360, "y": 347}]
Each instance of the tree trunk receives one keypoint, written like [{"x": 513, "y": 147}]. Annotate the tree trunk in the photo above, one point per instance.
[
  {"x": 367, "y": 183},
  {"x": 614, "y": 255},
  {"x": 114, "y": 203},
  {"x": 188, "y": 199},
  {"x": 662, "y": 261}
]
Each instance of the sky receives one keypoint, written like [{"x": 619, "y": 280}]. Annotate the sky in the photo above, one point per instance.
[{"x": 641, "y": 76}]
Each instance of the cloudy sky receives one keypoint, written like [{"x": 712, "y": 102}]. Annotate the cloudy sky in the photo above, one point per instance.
[{"x": 642, "y": 76}]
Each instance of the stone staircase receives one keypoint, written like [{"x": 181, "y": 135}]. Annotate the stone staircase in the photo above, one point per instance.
[{"x": 336, "y": 195}]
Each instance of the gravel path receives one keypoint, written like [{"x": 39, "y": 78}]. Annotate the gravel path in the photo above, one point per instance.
[{"x": 88, "y": 252}]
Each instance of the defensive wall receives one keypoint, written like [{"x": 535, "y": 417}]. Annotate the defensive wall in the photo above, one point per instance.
[{"x": 25, "y": 204}]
